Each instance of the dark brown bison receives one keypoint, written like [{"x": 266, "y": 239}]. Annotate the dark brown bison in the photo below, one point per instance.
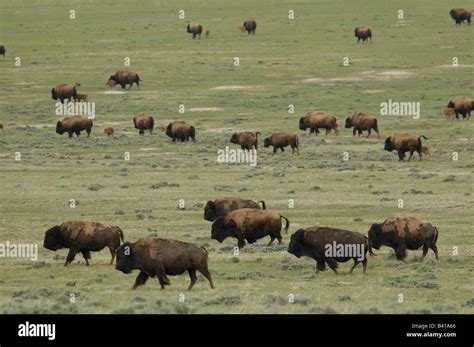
[
  {"x": 329, "y": 246},
  {"x": 319, "y": 120},
  {"x": 180, "y": 130},
  {"x": 74, "y": 124},
  {"x": 363, "y": 33},
  {"x": 249, "y": 224},
  {"x": 249, "y": 25},
  {"x": 194, "y": 28},
  {"x": 156, "y": 257},
  {"x": 83, "y": 236},
  {"x": 109, "y": 131},
  {"x": 220, "y": 207},
  {"x": 360, "y": 121},
  {"x": 64, "y": 91},
  {"x": 403, "y": 143},
  {"x": 81, "y": 97},
  {"x": 143, "y": 122},
  {"x": 281, "y": 140},
  {"x": 462, "y": 106},
  {"x": 460, "y": 15},
  {"x": 402, "y": 233},
  {"x": 246, "y": 139},
  {"x": 2, "y": 51},
  {"x": 123, "y": 78}
]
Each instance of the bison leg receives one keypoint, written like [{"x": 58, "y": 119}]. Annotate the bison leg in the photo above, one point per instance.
[
  {"x": 356, "y": 262},
  {"x": 69, "y": 133},
  {"x": 282, "y": 149},
  {"x": 87, "y": 256},
  {"x": 274, "y": 150},
  {"x": 370, "y": 130},
  {"x": 78, "y": 133},
  {"x": 435, "y": 250},
  {"x": 112, "y": 253},
  {"x": 401, "y": 155},
  {"x": 70, "y": 256},
  {"x": 207, "y": 274},
  {"x": 425, "y": 250},
  {"x": 411, "y": 154},
  {"x": 401, "y": 251},
  {"x": 140, "y": 280},
  {"x": 364, "y": 264},
  {"x": 332, "y": 264},
  {"x": 271, "y": 240},
  {"x": 377, "y": 131},
  {"x": 138, "y": 84},
  {"x": 192, "y": 275},
  {"x": 354, "y": 130},
  {"x": 320, "y": 266},
  {"x": 88, "y": 132}
]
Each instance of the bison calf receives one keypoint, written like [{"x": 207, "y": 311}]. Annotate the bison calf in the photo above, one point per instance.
[
  {"x": 403, "y": 143},
  {"x": 425, "y": 151},
  {"x": 329, "y": 246},
  {"x": 401, "y": 233},
  {"x": 156, "y": 257},
  {"x": 249, "y": 224},
  {"x": 220, "y": 207},
  {"x": 74, "y": 124},
  {"x": 81, "y": 97},
  {"x": 282, "y": 140},
  {"x": 83, "y": 236},
  {"x": 449, "y": 112},
  {"x": 109, "y": 131}
]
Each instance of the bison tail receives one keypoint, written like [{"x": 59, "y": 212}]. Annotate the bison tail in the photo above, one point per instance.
[
  {"x": 422, "y": 136},
  {"x": 152, "y": 123},
  {"x": 77, "y": 85},
  {"x": 257, "y": 134},
  {"x": 204, "y": 249},
  {"x": 287, "y": 223},
  {"x": 121, "y": 234},
  {"x": 264, "y": 206},
  {"x": 436, "y": 235},
  {"x": 138, "y": 78},
  {"x": 376, "y": 126},
  {"x": 297, "y": 140}
]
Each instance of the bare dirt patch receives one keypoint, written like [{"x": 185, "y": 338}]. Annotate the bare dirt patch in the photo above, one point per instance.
[
  {"x": 447, "y": 66},
  {"x": 112, "y": 92},
  {"x": 385, "y": 75},
  {"x": 206, "y": 109},
  {"x": 237, "y": 88},
  {"x": 374, "y": 91}
]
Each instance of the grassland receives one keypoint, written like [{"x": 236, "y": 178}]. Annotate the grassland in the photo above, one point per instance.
[{"x": 35, "y": 191}]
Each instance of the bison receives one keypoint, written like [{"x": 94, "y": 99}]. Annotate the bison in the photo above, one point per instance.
[
  {"x": 2, "y": 51},
  {"x": 249, "y": 25},
  {"x": 425, "y": 151},
  {"x": 220, "y": 207},
  {"x": 449, "y": 112},
  {"x": 83, "y": 236},
  {"x": 319, "y": 120},
  {"x": 281, "y": 140},
  {"x": 246, "y": 139},
  {"x": 363, "y": 33},
  {"x": 123, "y": 78},
  {"x": 180, "y": 130},
  {"x": 460, "y": 15},
  {"x": 109, "y": 131},
  {"x": 64, "y": 91},
  {"x": 329, "y": 246},
  {"x": 402, "y": 233},
  {"x": 194, "y": 28},
  {"x": 143, "y": 122},
  {"x": 462, "y": 106},
  {"x": 156, "y": 257},
  {"x": 360, "y": 121},
  {"x": 1, "y": 126},
  {"x": 403, "y": 143},
  {"x": 249, "y": 224},
  {"x": 81, "y": 97},
  {"x": 74, "y": 124}
]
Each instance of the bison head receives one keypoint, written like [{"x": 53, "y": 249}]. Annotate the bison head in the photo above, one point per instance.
[
  {"x": 388, "y": 144},
  {"x": 169, "y": 130},
  {"x": 266, "y": 142},
  {"x": 375, "y": 237},
  {"x": 450, "y": 104},
  {"x": 59, "y": 128},
  {"x": 233, "y": 139},
  {"x": 348, "y": 123},
  {"x": 296, "y": 243},
  {"x": 125, "y": 258},
  {"x": 53, "y": 94},
  {"x": 472, "y": 105},
  {"x": 302, "y": 124},
  {"x": 221, "y": 230},
  {"x": 52, "y": 239},
  {"x": 453, "y": 13},
  {"x": 210, "y": 211}
]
